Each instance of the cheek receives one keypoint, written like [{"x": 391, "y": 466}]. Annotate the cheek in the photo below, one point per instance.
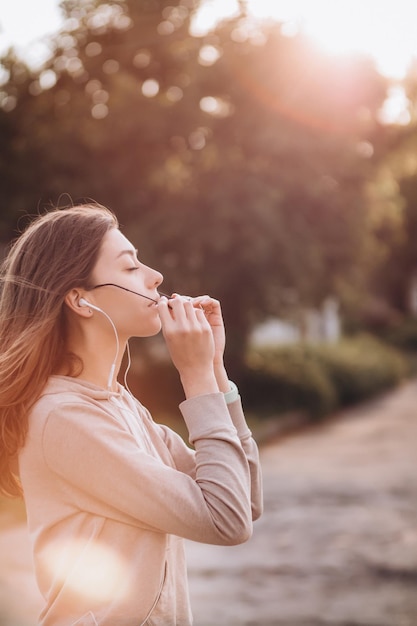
[{"x": 138, "y": 318}]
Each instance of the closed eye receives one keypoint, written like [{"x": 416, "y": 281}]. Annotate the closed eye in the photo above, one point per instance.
[{"x": 132, "y": 269}]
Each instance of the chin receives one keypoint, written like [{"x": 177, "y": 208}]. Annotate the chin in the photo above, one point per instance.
[{"x": 153, "y": 330}]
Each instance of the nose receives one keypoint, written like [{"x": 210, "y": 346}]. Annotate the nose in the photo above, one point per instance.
[{"x": 155, "y": 277}]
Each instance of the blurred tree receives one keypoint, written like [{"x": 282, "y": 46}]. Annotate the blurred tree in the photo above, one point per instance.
[
  {"x": 237, "y": 161},
  {"x": 392, "y": 196},
  {"x": 276, "y": 198},
  {"x": 398, "y": 268}
]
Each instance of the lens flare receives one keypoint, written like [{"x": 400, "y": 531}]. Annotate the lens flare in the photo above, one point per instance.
[{"x": 90, "y": 569}]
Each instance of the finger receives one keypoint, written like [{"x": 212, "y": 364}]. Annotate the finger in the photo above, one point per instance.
[
  {"x": 183, "y": 298},
  {"x": 164, "y": 311},
  {"x": 206, "y": 300},
  {"x": 201, "y": 317},
  {"x": 200, "y": 301},
  {"x": 179, "y": 309},
  {"x": 189, "y": 309},
  {"x": 185, "y": 307},
  {"x": 187, "y": 313},
  {"x": 209, "y": 305}
]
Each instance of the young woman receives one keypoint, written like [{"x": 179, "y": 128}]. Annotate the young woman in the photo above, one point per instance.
[{"x": 109, "y": 493}]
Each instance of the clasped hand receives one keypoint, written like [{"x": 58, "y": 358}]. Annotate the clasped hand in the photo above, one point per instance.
[{"x": 194, "y": 333}]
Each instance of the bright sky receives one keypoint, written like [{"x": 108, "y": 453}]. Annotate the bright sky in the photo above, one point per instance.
[
  {"x": 24, "y": 22},
  {"x": 385, "y": 29}
]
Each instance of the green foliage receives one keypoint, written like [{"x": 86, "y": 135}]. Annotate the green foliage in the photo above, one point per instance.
[
  {"x": 284, "y": 379},
  {"x": 361, "y": 367},
  {"x": 395, "y": 272},
  {"x": 259, "y": 195},
  {"x": 322, "y": 378},
  {"x": 403, "y": 335}
]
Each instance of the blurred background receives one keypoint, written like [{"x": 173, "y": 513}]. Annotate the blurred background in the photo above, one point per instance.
[{"x": 263, "y": 152}]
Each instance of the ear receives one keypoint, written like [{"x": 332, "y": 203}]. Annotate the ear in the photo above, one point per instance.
[{"x": 72, "y": 300}]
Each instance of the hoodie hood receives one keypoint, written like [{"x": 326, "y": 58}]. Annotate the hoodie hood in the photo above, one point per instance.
[{"x": 68, "y": 384}]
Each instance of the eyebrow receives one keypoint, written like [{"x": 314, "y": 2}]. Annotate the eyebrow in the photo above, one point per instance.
[{"x": 130, "y": 252}]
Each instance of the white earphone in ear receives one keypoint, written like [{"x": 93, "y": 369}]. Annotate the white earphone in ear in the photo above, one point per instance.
[{"x": 83, "y": 302}]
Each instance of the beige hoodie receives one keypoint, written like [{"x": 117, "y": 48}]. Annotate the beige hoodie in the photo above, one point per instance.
[{"x": 110, "y": 494}]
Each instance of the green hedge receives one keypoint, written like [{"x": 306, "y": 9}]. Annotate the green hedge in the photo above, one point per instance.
[
  {"x": 320, "y": 378},
  {"x": 403, "y": 335},
  {"x": 280, "y": 380}
]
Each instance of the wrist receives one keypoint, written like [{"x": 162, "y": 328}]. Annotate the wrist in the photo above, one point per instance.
[
  {"x": 221, "y": 377},
  {"x": 199, "y": 383}
]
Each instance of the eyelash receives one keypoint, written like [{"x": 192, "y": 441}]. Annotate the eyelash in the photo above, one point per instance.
[{"x": 132, "y": 269}]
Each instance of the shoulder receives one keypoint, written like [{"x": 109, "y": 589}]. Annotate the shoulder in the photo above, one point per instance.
[{"x": 63, "y": 411}]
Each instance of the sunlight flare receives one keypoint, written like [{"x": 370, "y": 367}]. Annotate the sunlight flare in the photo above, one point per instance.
[
  {"x": 99, "y": 575},
  {"x": 381, "y": 29}
]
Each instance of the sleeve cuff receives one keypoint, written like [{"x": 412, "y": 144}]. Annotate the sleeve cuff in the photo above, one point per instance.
[{"x": 207, "y": 417}]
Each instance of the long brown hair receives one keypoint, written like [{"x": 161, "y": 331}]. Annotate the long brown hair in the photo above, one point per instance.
[{"x": 56, "y": 253}]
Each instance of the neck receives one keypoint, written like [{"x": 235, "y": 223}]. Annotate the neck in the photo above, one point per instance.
[
  {"x": 96, "y": 347},
  {"x": 101, "y": 371}
]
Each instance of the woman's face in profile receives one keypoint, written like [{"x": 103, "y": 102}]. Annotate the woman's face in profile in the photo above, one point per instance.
[{"x": 118, "y": 263}]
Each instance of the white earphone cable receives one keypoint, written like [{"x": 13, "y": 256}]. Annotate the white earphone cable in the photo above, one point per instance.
[
  {"x": 113, "y": 365},
  {"x": 129, "y": 363}
]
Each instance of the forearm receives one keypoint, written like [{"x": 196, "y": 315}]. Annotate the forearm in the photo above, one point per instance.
[
  {"x": 252, "y": 454},
  {"x": 221, "y": 376},
  {"x": 222, "y": 468}
]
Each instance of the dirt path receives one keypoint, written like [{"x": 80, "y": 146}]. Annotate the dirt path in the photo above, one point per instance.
[{"x": 337, "y": 545}]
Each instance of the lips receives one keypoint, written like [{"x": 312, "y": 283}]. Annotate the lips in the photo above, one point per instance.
[
  {"x": 155, "y": 299},
  {"x": 162, "y": 295}
]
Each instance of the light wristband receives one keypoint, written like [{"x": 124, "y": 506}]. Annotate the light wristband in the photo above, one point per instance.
[{"x": 233, "y": 394}]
